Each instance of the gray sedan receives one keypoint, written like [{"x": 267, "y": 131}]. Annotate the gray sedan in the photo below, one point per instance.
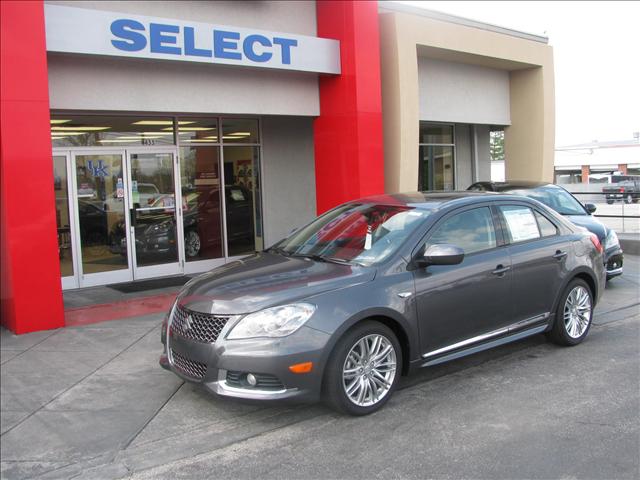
[{"x": 378, "y": 287}]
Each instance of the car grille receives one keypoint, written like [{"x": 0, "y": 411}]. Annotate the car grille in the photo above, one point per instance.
[
  {"x": 197, "y": 326},
  {"x": 265, "y": 381},
  {"x": 188, "y": 367}
]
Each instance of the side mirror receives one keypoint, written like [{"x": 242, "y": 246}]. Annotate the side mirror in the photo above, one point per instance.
[
  {"x": 591, "y": 208},
  {"x": 443, "y": 254}
]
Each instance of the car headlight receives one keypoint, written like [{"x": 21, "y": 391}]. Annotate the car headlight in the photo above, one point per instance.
[
  {"x": 611, "y": 240},
  {"x": 159, "y": 228},
  {"x": 273, "y": 322}
]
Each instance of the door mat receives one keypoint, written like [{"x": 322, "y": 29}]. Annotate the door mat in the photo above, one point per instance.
[{"x": 153, "y": 284}]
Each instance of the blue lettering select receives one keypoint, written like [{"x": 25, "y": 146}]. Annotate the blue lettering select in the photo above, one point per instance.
[
  {"x": 285, "y": 48},
  {"x": 132, "y": 41},
  {"x": 249, "y": 52},
  {"x": 190, "y": 44},
  {"x": 221, "y": 43},
  {"x": 158, "y": 39}
]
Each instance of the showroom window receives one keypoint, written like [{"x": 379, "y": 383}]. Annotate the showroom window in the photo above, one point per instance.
[
  {"x": 436, "y": 157},
  {"x": 128, "y": 170}
]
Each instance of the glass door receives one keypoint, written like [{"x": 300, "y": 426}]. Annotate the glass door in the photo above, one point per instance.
[
  {"x": 154, "y": 220},
  {"x": 101, "y": 220}
]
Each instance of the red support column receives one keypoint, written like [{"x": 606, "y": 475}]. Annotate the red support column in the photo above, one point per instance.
[
  {"x": 31, "y": 294},
  {"x": 585, "y": 173},
  {"x": 349, "y": 154}
]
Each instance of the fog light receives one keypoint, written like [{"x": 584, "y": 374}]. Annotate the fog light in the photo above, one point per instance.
[{"x": 251, "y": 379}]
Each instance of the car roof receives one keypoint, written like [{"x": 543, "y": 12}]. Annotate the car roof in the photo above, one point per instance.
[
  {"x": 435, "y": 200},
  {"x": 512, "y": 185}
]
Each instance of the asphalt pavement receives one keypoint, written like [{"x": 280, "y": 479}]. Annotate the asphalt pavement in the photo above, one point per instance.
[{"x": 92, "y": 402}]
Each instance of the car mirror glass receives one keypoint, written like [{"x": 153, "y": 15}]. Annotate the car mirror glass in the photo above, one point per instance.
[{"x": 590, "y": 207}]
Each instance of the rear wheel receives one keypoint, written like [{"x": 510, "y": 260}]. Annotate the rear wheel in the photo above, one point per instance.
[
  {"x": 628, "y": 198},
  {"x": 191, "y": 243},
  {"x": 364, "y": 369},
  {"x": 609, "y": 202},
  {"x": 573, "y": 315}
]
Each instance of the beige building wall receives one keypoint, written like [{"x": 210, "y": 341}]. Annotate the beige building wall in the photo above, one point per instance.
[{"x": 407, "y": 35}]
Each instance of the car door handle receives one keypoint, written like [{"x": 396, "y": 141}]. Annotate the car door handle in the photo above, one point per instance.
[
  {"x": 559, "y": 254},
  {"x": 501, "y": 270}
]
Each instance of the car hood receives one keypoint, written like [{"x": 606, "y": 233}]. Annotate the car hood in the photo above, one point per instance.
[
  {"x": 591, "y": 224},
  {"x": 267, "y": 279}
]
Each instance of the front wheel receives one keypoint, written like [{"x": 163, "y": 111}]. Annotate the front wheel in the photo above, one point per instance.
[
  {"x": 364, "y": 369},
  {"x": 573, "y": 315},
  {"x": 609, "y": 202}
]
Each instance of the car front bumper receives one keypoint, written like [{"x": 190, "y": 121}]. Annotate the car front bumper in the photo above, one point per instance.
[
  {"x": 221, "y": 367},
  {"x": 614, "y": 260}
]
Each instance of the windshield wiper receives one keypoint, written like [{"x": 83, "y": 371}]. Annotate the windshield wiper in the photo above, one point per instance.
[
  {"x": 321, "y": 258},
  {"x": 279, "y": 250}
]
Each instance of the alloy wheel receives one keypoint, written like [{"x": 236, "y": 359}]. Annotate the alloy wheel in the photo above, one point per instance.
[
  {"x": 577, "y": 311},
  {"x": 192, "y": 244},
  {"x": 369, "y": 370}
]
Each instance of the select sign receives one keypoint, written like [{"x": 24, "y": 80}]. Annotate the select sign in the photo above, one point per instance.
[{"x": 96, "y": 32}]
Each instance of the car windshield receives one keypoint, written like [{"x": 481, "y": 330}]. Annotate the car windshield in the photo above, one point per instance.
[
  {"x": 362, "y": 234},
  {"x": 554, "y": 197}
]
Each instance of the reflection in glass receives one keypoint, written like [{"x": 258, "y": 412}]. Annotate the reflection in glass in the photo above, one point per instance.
[
  {"x": 198, "y": 131},
  {"x": 435, "y": 170},
  {"x": 435, "y": 133},
  {"x": 154, "y": 208},
  {"x": 239, "y": 130},
  {"x": 100, "y": 206},
  {"x": 62, "y": 215},
  {"x": 242, "y": 199},
  {"x": 200, "y": 177},
  {"x": 107, "y": 131}
]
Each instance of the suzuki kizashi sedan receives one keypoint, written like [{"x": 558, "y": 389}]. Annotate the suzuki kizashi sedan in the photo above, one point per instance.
[{"x": 378, "y": 287}]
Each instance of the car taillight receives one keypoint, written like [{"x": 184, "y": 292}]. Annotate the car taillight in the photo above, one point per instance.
[
  {"x": 596, "y": 243},
  {"x": 621, "y": 189}
]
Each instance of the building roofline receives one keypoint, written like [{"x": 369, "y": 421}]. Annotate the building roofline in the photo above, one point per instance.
[{"x": 389, "y": 6}]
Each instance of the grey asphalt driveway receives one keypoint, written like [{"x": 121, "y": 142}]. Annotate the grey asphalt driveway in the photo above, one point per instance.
[{"x": 92, "y": 402}]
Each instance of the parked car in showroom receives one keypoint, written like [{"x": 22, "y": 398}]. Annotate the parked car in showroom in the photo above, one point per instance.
[
  {"x": 559, "y": 199},
  {"x": 378, "y": 287}
]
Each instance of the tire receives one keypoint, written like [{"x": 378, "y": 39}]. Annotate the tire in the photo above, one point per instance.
[
  {"x": 192, "y": 244},
  {"x": 609, "y": 202},
  {"x": 628, "y": 198},
  {"x": 368, "y": 382},
  {"x": 577, "y": 303}
]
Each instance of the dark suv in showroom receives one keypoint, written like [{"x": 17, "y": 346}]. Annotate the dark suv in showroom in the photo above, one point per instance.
[{"x": 378, "y": 287}]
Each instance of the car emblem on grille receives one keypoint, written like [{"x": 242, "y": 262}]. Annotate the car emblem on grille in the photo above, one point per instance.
[{"x": 188, "y": 323}]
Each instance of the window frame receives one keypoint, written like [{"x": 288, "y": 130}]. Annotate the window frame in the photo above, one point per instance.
[
  {"x": 497, "y": 227},
  {"x": 453, "y": 151},
  {"x": 506, "y": 234}
]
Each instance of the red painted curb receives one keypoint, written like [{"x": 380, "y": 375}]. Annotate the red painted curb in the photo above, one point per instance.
[{"x": 117, "y": 311}]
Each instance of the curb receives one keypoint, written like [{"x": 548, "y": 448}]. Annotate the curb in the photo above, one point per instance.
[{"x": 630, "y": 246}]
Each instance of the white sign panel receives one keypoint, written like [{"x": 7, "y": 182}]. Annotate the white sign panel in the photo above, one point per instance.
[
  {"x": 96, "y": 32},
  {"x": 522, "y": 223}
]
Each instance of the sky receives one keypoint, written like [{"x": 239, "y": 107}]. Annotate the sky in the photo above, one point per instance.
[{"x": 596, "y": 54}]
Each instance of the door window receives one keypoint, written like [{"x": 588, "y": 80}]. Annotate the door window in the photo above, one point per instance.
[
  {"x": 521, "y": 223},
  {"x": 547, "y": 229},
  {"x": 471, "y": 230},
  {"x": 63, "y": 222},
  {"x": 100, "y": 196}
]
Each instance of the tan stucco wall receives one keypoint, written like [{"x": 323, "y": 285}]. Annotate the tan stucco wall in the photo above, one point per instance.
[{"x": 529, "y": 141}]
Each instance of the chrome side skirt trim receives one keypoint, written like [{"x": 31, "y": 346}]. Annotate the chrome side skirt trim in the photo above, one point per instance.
[{"x": 486, "y": 336}]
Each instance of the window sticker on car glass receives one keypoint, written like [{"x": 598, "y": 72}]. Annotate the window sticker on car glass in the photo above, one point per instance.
[{"x": 522, "y": 223}]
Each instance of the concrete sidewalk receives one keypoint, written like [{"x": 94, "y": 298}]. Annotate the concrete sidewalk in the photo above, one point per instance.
[{"x": 92, "y": 401}]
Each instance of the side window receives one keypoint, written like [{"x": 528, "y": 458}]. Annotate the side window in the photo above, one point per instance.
[
  {"x": 521, "y": 223},
  {"x": 547, "y": 229},
  {"x": 472, "y": 231}
]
